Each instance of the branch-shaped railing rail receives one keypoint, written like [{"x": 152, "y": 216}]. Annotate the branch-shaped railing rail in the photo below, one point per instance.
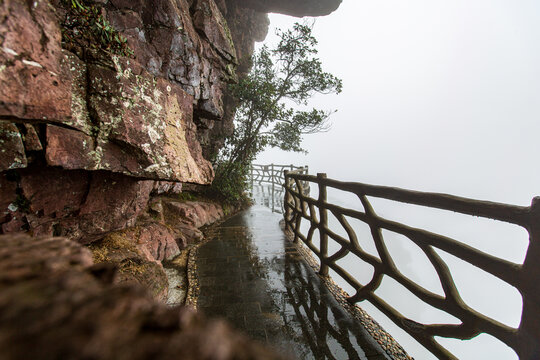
[
  {"x": 525, "y": 340},
  {"x": 273, "y": 175}
]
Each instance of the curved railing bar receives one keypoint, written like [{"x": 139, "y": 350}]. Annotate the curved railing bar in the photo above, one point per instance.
[
  {"x": 519, "y": 215},
  {"x": 526, "y": 277}
]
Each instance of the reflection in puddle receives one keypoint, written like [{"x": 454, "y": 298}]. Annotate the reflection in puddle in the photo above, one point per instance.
[
  {"x": 268, "y": 196},
  {"x": 254, "y": 277}
]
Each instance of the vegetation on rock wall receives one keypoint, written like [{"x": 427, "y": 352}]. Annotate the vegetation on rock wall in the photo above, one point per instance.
[
  {"x": 290, "y": 73},
  {"x": 85, "y": 26}
]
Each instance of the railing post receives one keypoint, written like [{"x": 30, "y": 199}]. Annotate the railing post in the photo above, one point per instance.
[
  {"x": 252, "y": 179},
  {"x": 323, "y": 224},
  {"x": 306, "y": 188},
  {"x": 272, "y": 175},
  {"x": 529, "y": 347},
  {"x": 285, "y": 172},
  {"x": 286, "y": 204}
]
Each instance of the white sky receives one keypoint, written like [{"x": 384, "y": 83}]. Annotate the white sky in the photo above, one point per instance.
[{"x": 438, "y": 96}]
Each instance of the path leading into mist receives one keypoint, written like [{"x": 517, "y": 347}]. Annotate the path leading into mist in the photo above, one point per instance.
[{"x": 254, "y": 277}]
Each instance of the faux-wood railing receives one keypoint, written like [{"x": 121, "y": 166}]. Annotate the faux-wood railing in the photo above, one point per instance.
[
  {"x": 525, "y": 340},
  {"x": 273, "y": 175}
]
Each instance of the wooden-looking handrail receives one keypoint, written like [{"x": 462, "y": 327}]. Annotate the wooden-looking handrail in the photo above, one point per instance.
[{"x": 525, "y": 340}]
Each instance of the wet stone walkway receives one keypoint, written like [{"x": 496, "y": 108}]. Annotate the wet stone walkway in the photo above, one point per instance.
[{"x": 252, "y": 276}]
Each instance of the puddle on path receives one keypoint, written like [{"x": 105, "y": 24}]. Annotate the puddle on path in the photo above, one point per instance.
[{"x": 250, "y": 274}]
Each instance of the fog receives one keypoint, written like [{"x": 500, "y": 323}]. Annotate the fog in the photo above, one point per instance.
[{"x": 439, "y": 96}]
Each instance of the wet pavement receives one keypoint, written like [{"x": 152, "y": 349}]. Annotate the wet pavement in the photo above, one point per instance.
[{"x": 251, "y": 275}]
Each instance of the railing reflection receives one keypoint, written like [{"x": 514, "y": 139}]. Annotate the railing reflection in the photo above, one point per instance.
[
  {"x": 329, "y": 331},
  {"x": 272, "y": 198}
]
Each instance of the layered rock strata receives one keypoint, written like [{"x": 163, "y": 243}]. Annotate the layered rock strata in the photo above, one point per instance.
[
  {"x": 95, "y": 146},
  {"x": 86, "y": 134},
  {"x": 91, "y": 137}
]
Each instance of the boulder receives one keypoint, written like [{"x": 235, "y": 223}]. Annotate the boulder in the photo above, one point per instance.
[
  {"x": 157, "y": 241},
  {"x": 194, "y": 213},
  {"x": 54, "y": 303},
  {"x": 82, "y": 205},
  {"x": 135, "y": 255}
]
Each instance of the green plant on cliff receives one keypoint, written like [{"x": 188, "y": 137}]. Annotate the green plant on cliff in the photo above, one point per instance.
[
  {"x": 86, "y": 27},
  {"x": 289, "y": 74}
]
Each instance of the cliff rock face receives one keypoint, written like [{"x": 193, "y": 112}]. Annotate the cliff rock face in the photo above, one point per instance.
[
  {"x": 89, "y": 134},
  {"x": 106, "y": 105},
  {"x": 83, "y": 135}
]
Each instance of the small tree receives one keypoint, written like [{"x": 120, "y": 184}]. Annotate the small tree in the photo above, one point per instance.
[{"x": 288, "y": 74}]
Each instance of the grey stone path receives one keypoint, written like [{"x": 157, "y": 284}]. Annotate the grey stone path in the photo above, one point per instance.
[{"x": 251, "y": 275}]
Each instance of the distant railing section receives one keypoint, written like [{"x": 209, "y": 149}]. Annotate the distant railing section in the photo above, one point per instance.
[
  {"x": 272, "y": 175},
  {"x": 525, "y": 340}
]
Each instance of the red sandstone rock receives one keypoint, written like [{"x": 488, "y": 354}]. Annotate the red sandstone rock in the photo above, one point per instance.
[
  {"x": 12, "y": 155},
  {"x": 7, "y": 197},
  {"x": 158, "y": 242},
  {"x": 167, "y": 44},
  {"x": 151, "y": 120},
  {"x": 31, "y": 139},
  {"x": 208, "y": 19},
  {"x": 68, "y": 148},
  {"x": 167, "y": 187},
  {"x": 16, "y": 223},
  {"x": 35, "y": 79},
  {"x": 82, "y": 205},
  {"x": 188, "y": 234},
  {"x": 113, "y": 202},
  {"x": 195, "y": 213},
  {"x": 54, "y": 194},
  {"x": 133, "y": 259}
]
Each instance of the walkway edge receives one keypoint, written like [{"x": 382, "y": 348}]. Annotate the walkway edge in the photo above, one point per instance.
[
  {"x": 381, "y": 336},
  {"x": 193, "y": 287}
]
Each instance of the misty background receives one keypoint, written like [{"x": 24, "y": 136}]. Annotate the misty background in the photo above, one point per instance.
[{"x": 439, "y": 96}]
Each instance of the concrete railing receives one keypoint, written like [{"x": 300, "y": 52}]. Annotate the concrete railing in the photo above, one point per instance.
[
  {"x": 273, "y": 174},
  {"x": 525, "y": 340}
]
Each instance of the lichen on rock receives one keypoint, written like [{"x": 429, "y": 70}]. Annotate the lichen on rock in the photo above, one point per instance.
[{"x": 93, "y": 144}]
